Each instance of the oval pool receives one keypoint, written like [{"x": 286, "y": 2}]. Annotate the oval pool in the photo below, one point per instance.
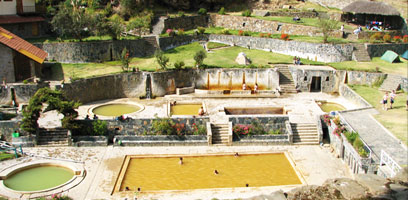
[
  {"x": 114, "y": 110},
  {"x": 330, "y": 106},
  {"x": 38, "y": 178}
]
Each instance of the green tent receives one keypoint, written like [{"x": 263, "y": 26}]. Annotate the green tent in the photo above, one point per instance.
[
  {"x": 390, "y": 56},
  {"x": 405, "y": 55}
]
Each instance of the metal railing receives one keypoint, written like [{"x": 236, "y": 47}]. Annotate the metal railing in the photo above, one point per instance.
[{"x": 389, "y": 163}]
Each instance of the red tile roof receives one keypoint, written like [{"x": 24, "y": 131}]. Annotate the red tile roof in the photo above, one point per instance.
[
  {"x": 22, "y": 46},
  {"x": 14, "y": 19}
]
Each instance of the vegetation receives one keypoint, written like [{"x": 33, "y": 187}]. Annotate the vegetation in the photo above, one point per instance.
[
  {"x": 54, "y": 101},
  {"x": 125, "y": 59},
  {"x": 179, "y": 64},
  {"x": 327, "y": 27},
  {"x": 161, "y": 59},
  {"x": 199, "y": 57},
  {"x": 304, "y": 21},
  {"x": 100, "y": 127},
  {"x": 255, "y": 128},
  {"x": 214, "y": 45},
  {"x": 202, "y": 11},
  {"x": 246, "y": 13},
  {"x": 6, "y": 156},
  {"x": 395, "y": 120},
  {"x": 166, "y": 126},
  {"x": 222, "y": 11},
  {"x": 376, "y": 65}
]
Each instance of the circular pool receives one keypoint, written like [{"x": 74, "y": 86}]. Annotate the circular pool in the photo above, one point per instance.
[
  {"x": 116, "y": 109},
  {"x": 38, "y": 177},
  {"x": 330, "y": 106}
]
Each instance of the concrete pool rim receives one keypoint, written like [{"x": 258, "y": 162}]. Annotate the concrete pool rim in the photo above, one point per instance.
[
  {"x": 77, "y": 169},
  {"x": 126, "y": 159},
  {"x": 91, "y": 113}
]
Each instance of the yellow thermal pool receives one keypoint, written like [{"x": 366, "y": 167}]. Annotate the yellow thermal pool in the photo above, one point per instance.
[
  {"x": 197, "y": 172},
  {"x": 185, "y": 109}
]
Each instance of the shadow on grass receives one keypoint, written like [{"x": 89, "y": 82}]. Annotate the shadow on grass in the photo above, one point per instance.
[{"x": 53, "y": 72}]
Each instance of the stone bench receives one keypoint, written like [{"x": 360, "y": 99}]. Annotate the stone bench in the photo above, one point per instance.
[
  {"x": 185, "y": 90},
  {"x": 160, "y": 140},
  {"x": 81, "y": 141}
]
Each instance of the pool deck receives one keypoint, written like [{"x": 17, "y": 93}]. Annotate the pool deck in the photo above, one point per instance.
[{"x": 314, "y": 163}]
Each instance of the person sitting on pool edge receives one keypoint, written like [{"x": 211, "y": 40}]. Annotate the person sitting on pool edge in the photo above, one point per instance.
[
  {"x": 181, "y": 161},
  {"x": 201, "y": 111}
]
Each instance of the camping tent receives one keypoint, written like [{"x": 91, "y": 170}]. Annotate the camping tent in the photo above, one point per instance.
[
  {"x": 390, "y": 56},
  {"x": 405, "y": 55}
]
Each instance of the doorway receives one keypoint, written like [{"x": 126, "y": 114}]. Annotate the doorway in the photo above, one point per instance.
[{"x": 316, "y": 85}]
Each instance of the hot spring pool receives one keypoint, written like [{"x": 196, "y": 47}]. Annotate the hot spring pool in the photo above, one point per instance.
[
  {"x": 38, "y": 178},
  {"x": 114, "y": 110},
  {"x": 185, "y": 109},
  {"x": 330, "y": 106},
  {"x": 197, "y": 172}
]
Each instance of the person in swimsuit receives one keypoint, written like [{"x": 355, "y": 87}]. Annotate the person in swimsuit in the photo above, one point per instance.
[
  {"x": 384, "y": 101},
  {"x": 392, "y": 98}
]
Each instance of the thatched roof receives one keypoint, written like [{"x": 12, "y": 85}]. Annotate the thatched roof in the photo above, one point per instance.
[{"x": 371, "y": 7}]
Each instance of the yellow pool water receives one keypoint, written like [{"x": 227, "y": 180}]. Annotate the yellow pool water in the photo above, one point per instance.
[
  {"x": 197, "y": 172},
  {"x": 330, "y": 106},
  {"x": 115, "y": 109},
  {"x": 185, "y": 109}
]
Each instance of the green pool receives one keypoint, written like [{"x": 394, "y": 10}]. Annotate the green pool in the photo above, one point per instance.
[
  {"x": 38, "y": 178},
  {"x": 114, "y": 110},
  {"x": 330, "y": 106}
]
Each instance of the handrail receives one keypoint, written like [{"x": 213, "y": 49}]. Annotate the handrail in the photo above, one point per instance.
[{"x": 389, "y": 163}]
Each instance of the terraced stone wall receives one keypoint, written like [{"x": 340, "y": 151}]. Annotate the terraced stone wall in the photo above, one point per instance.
[
  {"x": 186, "y": 22},
  {"x": 23, "y": 92},
  {"x": 377, "y": 50},
  {"x": 166, "y": 43}
]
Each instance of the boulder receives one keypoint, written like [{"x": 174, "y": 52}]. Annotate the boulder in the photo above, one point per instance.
[
  {"x": 349, "y": 189},
  {"x": 314, "y": 192},
  {"x": 242, "y": 59},
  {"x": 261, "y": 13},
  {"x": 277, "y": 195},
  {"x": 374, "y": 183}
]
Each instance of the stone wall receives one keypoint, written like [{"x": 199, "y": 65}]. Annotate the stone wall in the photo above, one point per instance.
[
  {"x": 166, "y": 43},
  {"x": 265, "y": 26},
  {"x": 303, "y": 79},
  {"x": 295, "y": 14},
  {"x": 160, "y": 140},
  {"x": 352, "y": 96},
  {"x": 7, "y": 64},
  {"x": 377, "y": 50},
  {"x": 7, "y": 127},
  {"x": 186, "y": 22},
  {"x": 25, "y": 30},
  {"x": 313, "y": 51},
  {"x": 363, "y": 78},
  {"x": 272, "y": 122},
  {"x": 23, "y": 92},
  {"x": 98, "y": 51}
]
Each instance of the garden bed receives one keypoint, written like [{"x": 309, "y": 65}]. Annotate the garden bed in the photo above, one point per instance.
[{"x": 160, "y": 140}]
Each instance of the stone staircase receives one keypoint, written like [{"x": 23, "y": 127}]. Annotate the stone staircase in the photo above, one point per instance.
[
  {"x": 53, "y": 137},
  {"x": 286, "y": 83},
  {"x": 305, "y": 133},
  {"x": 159, "y": 25},
  {"x": 360, "y": 53},
  {"x": 392, "y": 82},
  {"x": 220, "y": 134},
  {"x": 153, "y": 44}
]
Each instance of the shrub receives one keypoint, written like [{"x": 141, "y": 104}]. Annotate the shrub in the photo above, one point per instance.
[
  {"x": 179, "y": 129},
  {"x": 181, "y": 14},
  {"x": 163, "y": 126},
  {"x": 336, "y": 121},
  {"x": 199, "y": 57},
  {"x": 397, "y": 39},
  {"x": 275, "y": 132},
  {"x": 247, "y": 33},
  {"x": 387, "y": 38},
  {"x": 222, "y": 11},
  {"x": 202, "y": 11},
  {"x": 240, "y": 129},
  {"x": 240, "y": 32},
  {"x": 199, "y": 129},
  {"x": 179, "y": 64},
  {"x": 351, "y": 137},
  {"x": 284, "y": 36},
  {"x": 100, "y": 127},
  {"x": 25, "y": 81},
  {"x": 359, "y": 146},
  {"x": 261, "y": 35},
  {"x": 161, "y": 59},
  {"x": 269, "y": 35},
  {"x": 405, "y": 39},
  {"x": 180, "y": 32},
  {"x": 246, "y": 13},
  {"x": 326, "y": 119},
  {"x": 225, "y": 32},
  {"x": 338, "y": 130},
  {"x": 375, "y": 36},
  {"x": 257, "y": 128},
  {"x": 201, "y": 30},
  {"x": 171, "y": 32}
]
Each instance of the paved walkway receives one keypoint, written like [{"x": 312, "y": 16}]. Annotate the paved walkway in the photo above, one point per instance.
[{"x": 376, "y": 136}]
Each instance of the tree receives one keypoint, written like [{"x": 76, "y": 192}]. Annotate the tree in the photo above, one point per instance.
[
  {"x": 124, "y": 58},
  {"x": 199, "y": 57},
  {"x": 115, "y": 27},
  {"x": 327, "y": 27},
  {"x": 161, "y": 59},
  {"x": 55, "y": 101}
]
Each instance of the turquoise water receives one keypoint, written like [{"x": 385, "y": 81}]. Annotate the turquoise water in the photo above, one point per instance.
[{"x": 38, "y": 178}]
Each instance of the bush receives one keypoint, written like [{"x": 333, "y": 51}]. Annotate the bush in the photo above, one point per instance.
[
  {"x": 397, "y": 39},
  {"x": 181, "y": 14},
  {"x": 201, "y": 30},
  {"x": 180, "y": 32},
  {"x": 240, "y": 32},
  {"x": 257, "y": 128},
  {"x": 261, "y": 35},
  {"x": 351, "y": 137},
  {"x": 246, "y": 13},
  {"x": 225, "y": 32},
  {"x": 100, "y": 127},
  {"x": 161, "y": 59},
  {"x": 387, "y": 38},
  {"x": 375, "y": 36},
  {"x": 336, "y": 121},
  {"x": 247, "y": 33},
  {"x": 199, "y": 129},
  {"x": 163, "y": 126},
  {"x": 284, "y": 37},
  {"x": 269, "y": 35},
  {"x": 199, "y": 57},
  {"x": 338, "y": 130},
  {"x": 240, "y": 129},
  {"x": 405, "y": 39},
  {"x": 170, "y": 32},
  {"x": 202, "y": 11},
  {"x": 179, "y": 64},
  {"x": 222, "y": 11},
  {"x": 179, "y": 129},
  {"x": 25, "y": 81},
  {"x": 275, "y": 132},
  {"x": 326, "y": 119}
]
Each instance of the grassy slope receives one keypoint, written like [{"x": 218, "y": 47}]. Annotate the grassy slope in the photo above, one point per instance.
[
  {"x": 383, "y": 66},
  {"x": 395, "y": 120}
]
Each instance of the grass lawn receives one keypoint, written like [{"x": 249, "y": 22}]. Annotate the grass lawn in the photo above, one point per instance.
[
  {"x": 383, "y": 66},
  {"x": 85, "y": 39},
  {"x": 303, "y": 21},
  {"x": 395, "y": 120},
  {"x": 83, "y": 70},
  {"x": 6, "y": 156},
  {"x": 214, "y": 45}
]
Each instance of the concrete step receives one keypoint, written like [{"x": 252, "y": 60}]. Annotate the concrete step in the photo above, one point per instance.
[
  {"x": 305, "y": 143},
  {"x": 53, "y": 143}
]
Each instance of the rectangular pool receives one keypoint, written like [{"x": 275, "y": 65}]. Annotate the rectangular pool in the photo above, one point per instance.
[
  {"x": 255, "y": 111},
  {"x": 197, "y": 172}
]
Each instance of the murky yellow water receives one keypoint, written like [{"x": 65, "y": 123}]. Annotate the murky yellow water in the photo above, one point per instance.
[
  {"x": 198, "y": 172},
  {"x": 329, "y": 106},
  {"x": 185, "y": 109},
  {"x": 115, "y": 109}
]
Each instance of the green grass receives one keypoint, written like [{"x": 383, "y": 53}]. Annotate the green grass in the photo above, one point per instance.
[
  {"x": 376, "y": 63},
  {"x": 6, "y": 156},
  {"x": 395, "y": 120},
  {"x": 213, "y": 45},
  {"x": 86, "y": 39}
]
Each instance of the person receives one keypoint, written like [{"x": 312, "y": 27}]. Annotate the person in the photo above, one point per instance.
[
  {"x": 236, "y": 154},
  {"x": 201, "y": 111},
  {"x": 342, "y": 31},
  {"x": 392, "y": 98},
  {"x": 384, "y": 101},
  {"x": 295, "y": 60},
  {"x": 127, "y": 188},
  {"x": 243, "y": 86},
  {"x": 173, "y": 103},
  {"x": 247, "y": 185},
  {"x": 87, "y": 117},
  {"x": 181, "y": 161},
  {"x": 298, "y": 60},
  {"x": 216, "y": 172},
  {"x": 95, "y": 117},
  {"x": 406, "y": 105},
  {"x": 256, "y": 87}
]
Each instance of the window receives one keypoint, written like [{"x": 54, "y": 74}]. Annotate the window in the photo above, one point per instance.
[{"x": 327, "y": 78}]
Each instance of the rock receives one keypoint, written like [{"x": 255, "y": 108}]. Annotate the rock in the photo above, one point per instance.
[
  {"x": 349, "y": 189},
  {"x": 242, "y": 59},
  {"x": 278, "y": 195},
  {"x": 261, "y": 13},
  {"x": 287, "y": 7},
  {"x": 314, "y": 192},
  {"x": 401, "y": 176},
  {"x": 374, "y": 183},
  {"x": 311, "y": 10}
]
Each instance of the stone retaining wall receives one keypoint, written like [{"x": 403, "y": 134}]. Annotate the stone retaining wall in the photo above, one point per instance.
[
  {"x": 352, "y": 96},
  {"x": 303, "y": 79},
  {"x": 295, "y": 14},
  {"x": 23, "y": 92},
  {"x": 313, "y": 51},
  {"x": 160, "y": 140},
  {"x": 7, "y": 127},
  {"x": 98, "y": 51},
  {"x": 377, "y": 50},
  {"x": 186, "y": 22},
  {"x": 166, "y": 43},
  {"x": 263, "y": 140},
  {"x": 80, "y": 141},
  {"x": 271, "y": 122}
]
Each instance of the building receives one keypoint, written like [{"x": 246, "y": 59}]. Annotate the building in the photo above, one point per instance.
[
  {"x": 20, "y": 60},
  {"x": 22, "y": 17}
]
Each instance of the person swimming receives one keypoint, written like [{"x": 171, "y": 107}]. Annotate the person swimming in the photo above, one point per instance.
[
  {"x": 216, "y": 172},
  {"x": 181, "y": 161}
]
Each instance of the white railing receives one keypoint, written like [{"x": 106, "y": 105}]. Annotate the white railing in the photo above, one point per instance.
[{"x": 389, "y": 163}]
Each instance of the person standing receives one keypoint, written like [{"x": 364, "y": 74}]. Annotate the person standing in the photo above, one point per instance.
[
  {"x": 342, "y": 31},
  {"x": 384, "y": 101},
  {"x": 392, "y": 98}
]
